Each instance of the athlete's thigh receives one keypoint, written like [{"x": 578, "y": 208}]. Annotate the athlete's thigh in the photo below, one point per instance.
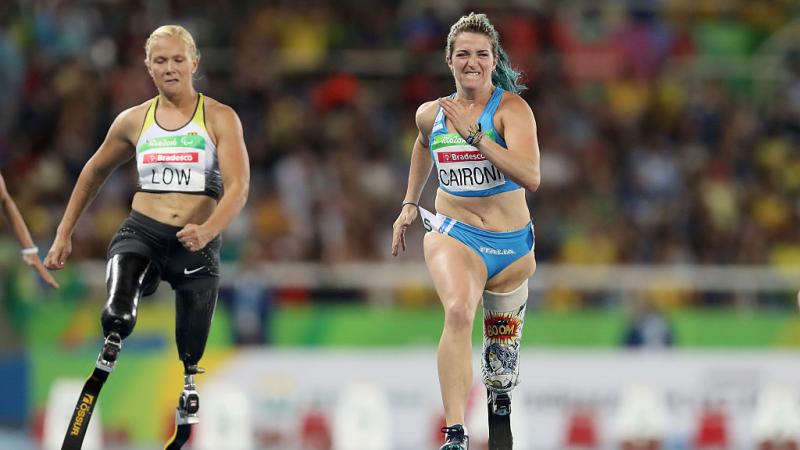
[
  {"x": 457, "y": 271},
  {"x": 194, "y": 310},
  {"x": 512, "y": 276}
]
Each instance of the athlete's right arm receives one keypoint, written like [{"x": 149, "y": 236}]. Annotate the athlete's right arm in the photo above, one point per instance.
[
  {"x": 113, "y": 152},
  {"x": 418, "y": 173},
  {"x": 30, "y": 253}
]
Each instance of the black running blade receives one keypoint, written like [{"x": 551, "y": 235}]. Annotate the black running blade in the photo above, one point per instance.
[
  {"x": 182, "y": 433},
  {"x": 79, "y": 422},
  {"x": 500, "y": 437}
]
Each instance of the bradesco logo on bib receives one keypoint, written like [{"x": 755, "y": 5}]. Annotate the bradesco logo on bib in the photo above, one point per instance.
[
  {"x": 174, "y": 163},
  {"x": 461, "y": 167}
]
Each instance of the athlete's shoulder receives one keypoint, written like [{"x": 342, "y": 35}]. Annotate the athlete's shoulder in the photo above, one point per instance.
[
  {"x": 138, "y": 111},
  {"x": 215, "y": 109},
  {"x": 513, "y": 103},
  {"x": 428, "y": 107},
  {"x": 513, "y": 111},
  {"x": 426, "y": 115},
  {"x": 221, "y": 119},
  {"x": 129, "y": 121}
]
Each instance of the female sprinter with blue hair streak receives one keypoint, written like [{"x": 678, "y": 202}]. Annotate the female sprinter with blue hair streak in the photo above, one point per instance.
[{"x": 482, "y": 141}]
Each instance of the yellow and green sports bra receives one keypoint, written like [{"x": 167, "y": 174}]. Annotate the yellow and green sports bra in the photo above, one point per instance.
[{"x": 182, "y": 160}]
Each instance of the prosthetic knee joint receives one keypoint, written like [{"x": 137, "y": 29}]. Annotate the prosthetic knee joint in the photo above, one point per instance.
[
  {"x": 503, "y": 316},
  {"x": 107, "y": 358},
  {"x": 116, "y": 327}
]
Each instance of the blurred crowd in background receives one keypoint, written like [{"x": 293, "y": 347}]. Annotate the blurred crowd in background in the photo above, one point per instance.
[
  {"x": 668, "y": 129},
  {"x": 669, "y": 133}
]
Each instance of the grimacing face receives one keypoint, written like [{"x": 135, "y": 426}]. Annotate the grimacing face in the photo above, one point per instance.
[
  {"x": 171, "y": 64},
  {"x": 472, "y": 60}
]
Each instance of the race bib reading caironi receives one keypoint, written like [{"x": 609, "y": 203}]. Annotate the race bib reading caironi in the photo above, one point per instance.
[{"x": 460, "y": 167}]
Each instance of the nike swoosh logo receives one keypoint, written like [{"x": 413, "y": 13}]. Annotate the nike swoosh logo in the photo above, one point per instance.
[{"x": 189, "y": 272}]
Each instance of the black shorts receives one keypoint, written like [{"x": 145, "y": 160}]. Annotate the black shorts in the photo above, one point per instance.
[{"x": 174, "y": 264}]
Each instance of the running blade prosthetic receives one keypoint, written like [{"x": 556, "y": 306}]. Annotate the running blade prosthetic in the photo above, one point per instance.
[
  {"x": 499, "y": 405},
  {"x": 186, "y": 412},
  {"x": 79, "y": 422}
]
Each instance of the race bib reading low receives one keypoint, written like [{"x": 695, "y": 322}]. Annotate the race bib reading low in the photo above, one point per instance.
[
  {"x": 173, "y": 163},
  {"x": 461, "y": 167}
]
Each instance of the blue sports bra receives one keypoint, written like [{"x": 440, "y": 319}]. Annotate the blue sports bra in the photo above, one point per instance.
[{"x": 461, "y": 168}]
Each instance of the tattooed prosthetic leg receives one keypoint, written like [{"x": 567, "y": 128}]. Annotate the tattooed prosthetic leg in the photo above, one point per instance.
[{"x": 503, "y": 316}]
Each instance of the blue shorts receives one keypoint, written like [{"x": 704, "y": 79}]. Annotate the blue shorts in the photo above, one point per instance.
[{"x": 497, "y": 249}]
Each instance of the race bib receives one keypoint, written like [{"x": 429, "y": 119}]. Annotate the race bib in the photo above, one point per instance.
[
  {"x": 430, "y": 221},
  {"x": 460, "y": 167},
  {"x": 173, "y": 163}
]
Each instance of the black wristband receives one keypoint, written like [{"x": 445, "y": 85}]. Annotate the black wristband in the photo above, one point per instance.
[{"x": 409, "y": 203}]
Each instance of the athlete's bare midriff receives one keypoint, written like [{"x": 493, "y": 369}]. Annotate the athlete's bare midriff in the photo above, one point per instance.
[
  {"x": 174, "y": 208},
  {"x": 502, "y": 212}
]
